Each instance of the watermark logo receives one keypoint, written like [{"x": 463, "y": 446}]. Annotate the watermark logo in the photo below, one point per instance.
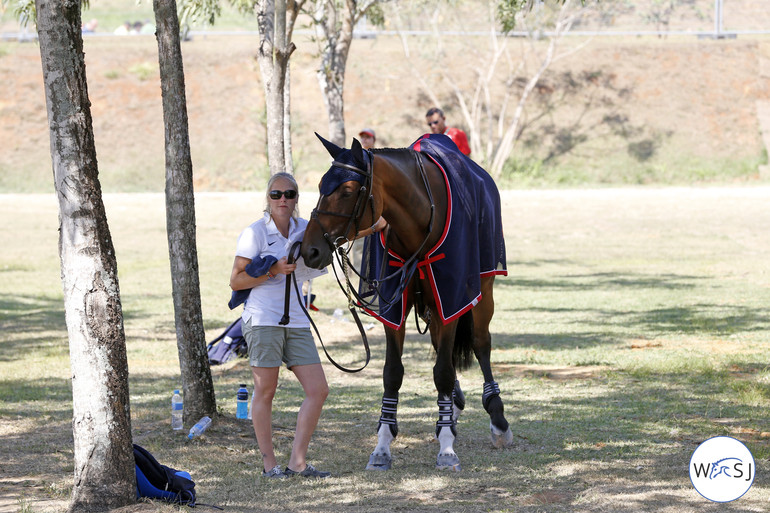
[{"x": 722, "y": 469}]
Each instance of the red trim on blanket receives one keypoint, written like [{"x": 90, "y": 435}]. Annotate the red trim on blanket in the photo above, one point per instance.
[
  {"x": 387, "y": 322},
  {"x": 421, "y": 263},
  {"x": 431, "y": 259},
  {"x": 496, "y": 272}
]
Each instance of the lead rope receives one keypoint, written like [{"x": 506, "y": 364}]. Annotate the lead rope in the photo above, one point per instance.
[{"x": 292, "y": 277}]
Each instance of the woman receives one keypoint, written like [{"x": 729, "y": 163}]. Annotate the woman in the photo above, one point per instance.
[{"x": 266, "y": 243}]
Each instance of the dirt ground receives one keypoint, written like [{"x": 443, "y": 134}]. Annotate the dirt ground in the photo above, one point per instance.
[{"x": 680, "y": 97}]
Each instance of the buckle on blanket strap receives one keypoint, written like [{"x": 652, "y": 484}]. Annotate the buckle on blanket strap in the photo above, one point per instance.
[{"x": 421, "y": 263}]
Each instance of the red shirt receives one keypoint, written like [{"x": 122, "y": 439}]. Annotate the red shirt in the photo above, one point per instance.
[{"x": 459, "y": 138}]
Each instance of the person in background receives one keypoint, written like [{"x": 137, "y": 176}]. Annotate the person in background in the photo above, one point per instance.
[
  {"x": 90, "y": 26},
  {"x": 368, "y": 138},
  {"x": 124, "y": 29},
  {"x": 437, "y": 123},
  {"x": 261, "y": 266},
  {"x": 148, "y": 28}
]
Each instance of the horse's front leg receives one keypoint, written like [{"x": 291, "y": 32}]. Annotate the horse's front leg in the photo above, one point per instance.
[
  {"x": 445, "y": 379},
  {"x": 392, "y": 377}
]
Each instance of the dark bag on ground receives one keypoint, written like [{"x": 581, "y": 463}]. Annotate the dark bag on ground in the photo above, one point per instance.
[
  {"x": 228, "y": 345},
  {"x": 158, "y": 481}
]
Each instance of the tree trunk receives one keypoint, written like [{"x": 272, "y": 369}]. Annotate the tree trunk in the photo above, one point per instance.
[
  {"x": 337, "y": 37},
  {"x": 288, "y": 161},
  {"x": 273, "y": 58},
  {"x": 104, "y": 476},
  {"x": 199, "y": 397}
]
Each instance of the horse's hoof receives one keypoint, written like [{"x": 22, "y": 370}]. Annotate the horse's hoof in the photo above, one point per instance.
[
  {"x": 501, "y": 439},
  {"x": 379, "y": 462},
  {"x": 448, "y": 462}
]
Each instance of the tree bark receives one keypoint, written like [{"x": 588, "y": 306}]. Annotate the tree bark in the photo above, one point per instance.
[
  {"x": 104, "y": 476},
  {"x": 334, "y": 27},
  {"x": 199, "y": 397},
  {"x": 273, "y": 57}
]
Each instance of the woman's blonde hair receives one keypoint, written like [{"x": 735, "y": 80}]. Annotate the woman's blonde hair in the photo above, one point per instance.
[{"x": 289, "y": 177}]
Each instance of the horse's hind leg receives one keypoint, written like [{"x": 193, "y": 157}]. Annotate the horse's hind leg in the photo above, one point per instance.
[
  {"x": 392, "y": 377},
  {"x": 463, "y": 337},
  {"x": 482, "y": 347}
]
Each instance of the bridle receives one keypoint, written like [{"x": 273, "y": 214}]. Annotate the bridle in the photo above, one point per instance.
[
  {"x": 404, "y": 274},
  {"x": 355, "y": 215},
  {"x": 366, "y": 197}
]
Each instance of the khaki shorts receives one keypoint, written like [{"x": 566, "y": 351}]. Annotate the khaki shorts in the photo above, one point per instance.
[{"x": 271, "y": 345}]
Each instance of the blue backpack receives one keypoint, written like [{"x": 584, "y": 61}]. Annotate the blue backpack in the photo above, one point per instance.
[
  {"x": 158, "y": 481},
  {"x": 228, "y": 345}
]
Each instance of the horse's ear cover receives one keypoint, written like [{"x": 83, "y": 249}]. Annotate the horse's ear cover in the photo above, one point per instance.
[
  {"x": 332, "y": 148},
  {"x": 358, "y": 153},
  {"x": 337, "y": 175}
]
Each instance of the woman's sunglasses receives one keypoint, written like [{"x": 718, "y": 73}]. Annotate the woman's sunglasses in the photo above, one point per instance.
[{"x": 276, "y": 194}]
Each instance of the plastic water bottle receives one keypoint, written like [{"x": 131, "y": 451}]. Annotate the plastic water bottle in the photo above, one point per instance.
[
  {"x": 177, "y": 407},
  {"x": 242, "y": 402},
  {"x": 199, "y": 427}
]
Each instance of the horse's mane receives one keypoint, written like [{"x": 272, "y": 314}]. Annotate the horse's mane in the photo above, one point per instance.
[
  {"x": 391, "y": 150},
  {"x": 401, "y": 158}
]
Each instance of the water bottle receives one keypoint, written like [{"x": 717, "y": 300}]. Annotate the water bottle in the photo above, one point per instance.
[
  {"x": 177, "y": 407},
  {"x": 242, "y": 402},
  {"x": 199, "y": 427}
]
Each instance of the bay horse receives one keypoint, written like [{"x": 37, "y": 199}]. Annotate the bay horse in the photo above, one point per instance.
[{"x": 411, "y": 192}]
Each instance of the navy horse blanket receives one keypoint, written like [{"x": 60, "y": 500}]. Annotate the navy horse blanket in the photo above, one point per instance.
[{"x": 471, "y": 245}]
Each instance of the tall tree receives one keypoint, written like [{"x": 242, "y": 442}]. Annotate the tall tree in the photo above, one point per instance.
[
  {"x": 334, "y": 22},
  {"x": 101, "y": 423},
  {"x": 180, "y": 220},
  {"x": 276, "y": 20},
  {"x": 493, "y": 126}
]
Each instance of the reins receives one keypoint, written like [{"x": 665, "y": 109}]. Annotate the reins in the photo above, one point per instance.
[
  {"x": 405, "y": 272},
  {"x": 292, "y": 257},
  {"x": 356, "y": 300}
]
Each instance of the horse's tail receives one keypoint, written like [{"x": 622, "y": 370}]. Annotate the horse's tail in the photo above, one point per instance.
[{"x": 462, "y": 357}]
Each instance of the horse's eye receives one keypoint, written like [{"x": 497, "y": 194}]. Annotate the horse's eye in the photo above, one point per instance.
[{"x": 347, "y": 193}]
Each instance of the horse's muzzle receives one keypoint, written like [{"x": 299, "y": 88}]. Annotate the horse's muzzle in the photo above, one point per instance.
[{"x": 315, "y": 255}]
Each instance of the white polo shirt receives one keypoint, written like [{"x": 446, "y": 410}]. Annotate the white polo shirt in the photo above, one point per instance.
[{"x": 264, "y": 306}]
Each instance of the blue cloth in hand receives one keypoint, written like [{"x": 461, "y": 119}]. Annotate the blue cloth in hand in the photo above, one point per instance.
[{"x": 256, "y": 268}]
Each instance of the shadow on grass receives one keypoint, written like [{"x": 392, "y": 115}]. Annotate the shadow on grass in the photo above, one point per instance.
[
  {"x": 27, "y": 322},
  {"x": 568, "y": 439},
  {"x": 595, "y": 281},
  {"x": 551, "y": 342},
  {"x": 708, "y": 319}
]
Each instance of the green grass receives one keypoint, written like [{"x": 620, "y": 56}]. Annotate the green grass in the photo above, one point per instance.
[
  {"x": 632, "y": 326},
  {"x": 675, "y": 165}
]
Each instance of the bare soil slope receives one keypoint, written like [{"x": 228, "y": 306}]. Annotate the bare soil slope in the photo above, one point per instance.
[{"x": 667, "y": 105}]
